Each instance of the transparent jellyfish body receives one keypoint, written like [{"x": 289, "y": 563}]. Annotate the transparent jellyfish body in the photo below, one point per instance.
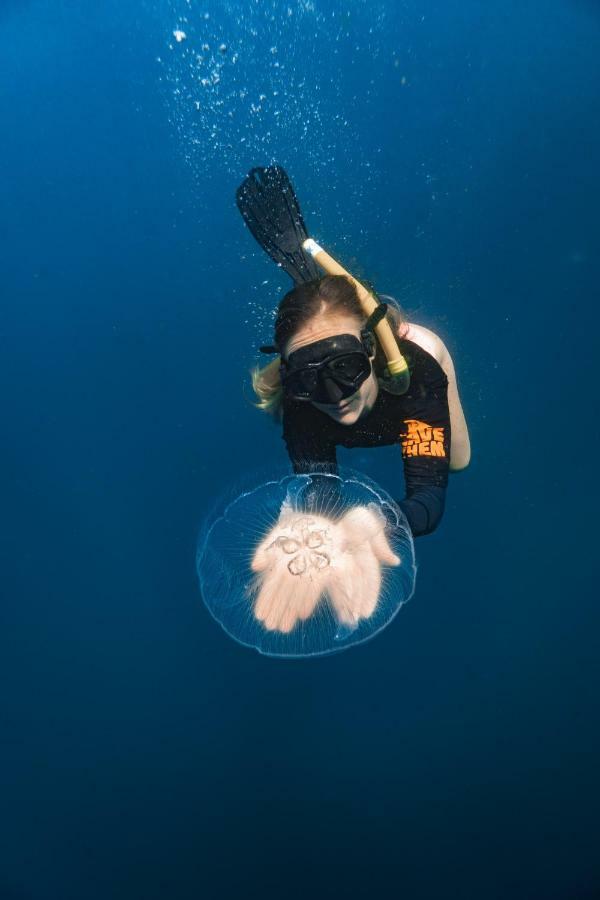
[{"x": 306, "y": 565}]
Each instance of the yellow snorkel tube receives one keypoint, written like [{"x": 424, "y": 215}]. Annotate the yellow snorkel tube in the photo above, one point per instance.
[{"x": 396, "y": 377}]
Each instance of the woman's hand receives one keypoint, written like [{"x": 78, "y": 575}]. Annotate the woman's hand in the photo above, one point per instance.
[
  {"x": 292, "y": 562},
  {"x": 305, "y": 556},
  {"x": 362, "y": 549}
]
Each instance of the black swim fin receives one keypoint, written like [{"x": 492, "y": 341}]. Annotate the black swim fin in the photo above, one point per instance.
[{"x": 268, "y": 203}]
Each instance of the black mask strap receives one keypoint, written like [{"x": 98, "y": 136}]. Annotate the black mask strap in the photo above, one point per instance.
[
  {"x": 376, "y": 316},
  {"x": 366, "y": 335}
]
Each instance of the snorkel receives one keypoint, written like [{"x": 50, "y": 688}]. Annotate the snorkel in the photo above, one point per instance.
[
  {"x": 269, "y": 206},
  {"x": 396, "y": 376}
]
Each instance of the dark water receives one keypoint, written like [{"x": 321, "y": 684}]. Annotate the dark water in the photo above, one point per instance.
[{"x": 144, "y": 754}]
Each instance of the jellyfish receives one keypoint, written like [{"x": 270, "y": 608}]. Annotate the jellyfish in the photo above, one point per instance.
[{"x": 306, "y": 565}]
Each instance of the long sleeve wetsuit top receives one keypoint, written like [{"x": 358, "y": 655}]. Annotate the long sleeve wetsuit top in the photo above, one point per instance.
[{"x": 418, "y": 421}]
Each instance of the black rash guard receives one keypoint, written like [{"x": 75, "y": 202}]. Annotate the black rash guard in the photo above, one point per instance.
[{"x": 419, "y": 421}]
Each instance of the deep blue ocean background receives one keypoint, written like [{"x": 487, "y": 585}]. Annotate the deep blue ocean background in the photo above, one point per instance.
[{"x": 449, "y": 152}]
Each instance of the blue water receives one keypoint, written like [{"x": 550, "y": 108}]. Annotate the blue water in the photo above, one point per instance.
[{"x": 448, "y": 151}]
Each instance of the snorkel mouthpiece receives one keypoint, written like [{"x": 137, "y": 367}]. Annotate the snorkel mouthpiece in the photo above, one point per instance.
[{"x": 396, "y": 376}]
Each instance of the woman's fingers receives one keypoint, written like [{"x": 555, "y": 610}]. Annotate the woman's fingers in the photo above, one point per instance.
[
  {"x": 383, "y": 551},
  {"x": 269, "y": 592},
  {"x": 263, "y": 555},
  {"x": 371, "y": 583},
  {"x": 341, "y": 592},
  {"x": 281, "y": 616},
  {"x": 285, "y": 598},
  {"x": 308, "y": 599}
]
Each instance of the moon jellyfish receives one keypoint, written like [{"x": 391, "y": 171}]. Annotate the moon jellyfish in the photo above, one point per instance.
[{"x": 306, "y": 565}]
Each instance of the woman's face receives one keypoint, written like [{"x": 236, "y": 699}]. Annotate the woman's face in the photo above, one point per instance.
[{"x": 349, "y": 410}]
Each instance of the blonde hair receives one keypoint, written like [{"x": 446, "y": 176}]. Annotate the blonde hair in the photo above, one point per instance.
[
  {"x": 331, "y": 295},
  {"x": 266, "y": 383}
]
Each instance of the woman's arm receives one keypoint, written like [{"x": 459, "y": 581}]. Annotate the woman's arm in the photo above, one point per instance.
[
  {"x": 308, "y": 447},
  {"x": 311, "y": 452},
  {"x": 425, "y": 439},
  {"x": 424, "y": 509},
  {"x": 460, "y": 447}
]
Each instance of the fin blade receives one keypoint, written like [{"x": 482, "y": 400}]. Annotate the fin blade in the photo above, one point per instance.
[{"x": 269, "y": 206}]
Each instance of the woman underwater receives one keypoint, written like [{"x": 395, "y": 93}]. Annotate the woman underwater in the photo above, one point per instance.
[{"x": 329, "y": 388}]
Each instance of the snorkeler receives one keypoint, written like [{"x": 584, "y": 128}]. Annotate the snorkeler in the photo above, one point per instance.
[{"x": 350, "y": 370}]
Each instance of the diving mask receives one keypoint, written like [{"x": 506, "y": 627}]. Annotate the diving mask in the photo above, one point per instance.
[{"x": 328, "y": 371}]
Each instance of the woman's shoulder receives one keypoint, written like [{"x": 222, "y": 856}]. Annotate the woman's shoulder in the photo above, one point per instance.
[{"x": 427, "y": 340}]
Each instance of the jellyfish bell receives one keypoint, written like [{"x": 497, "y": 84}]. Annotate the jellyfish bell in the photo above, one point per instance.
[{"x": 306, "y": 565}]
